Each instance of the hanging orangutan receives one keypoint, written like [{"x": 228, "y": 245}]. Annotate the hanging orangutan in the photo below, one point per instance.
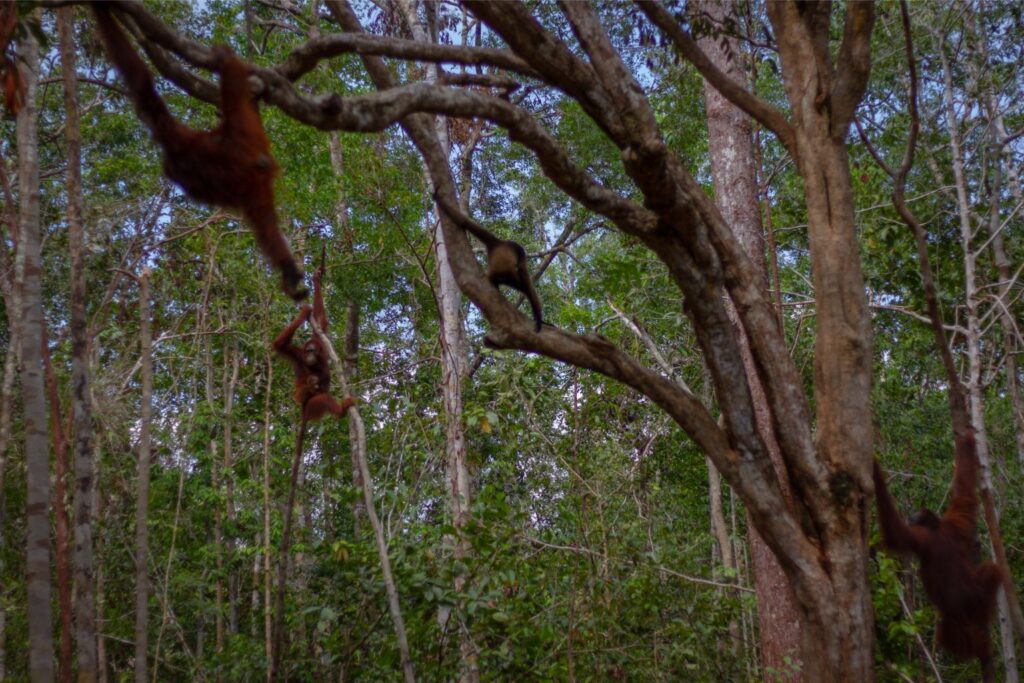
[
  {"x": 962, "y": 589},
  {"x": 229, "y": 166}
]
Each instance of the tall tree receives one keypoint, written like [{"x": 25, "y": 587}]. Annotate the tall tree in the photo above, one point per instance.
[
  {"x": 37, "y": 452},
  {"x": 81, "y": 404},
  {"x": 453, "y": 351},
  {"x": 60, "y": 510},
  {"x": 730, "y": 146},
  {"x": 142, "y": 485}
]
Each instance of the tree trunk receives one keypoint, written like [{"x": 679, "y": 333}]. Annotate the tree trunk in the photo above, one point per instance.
[
  {"x": 37, "y": 470},
  {"x": 453, "y": 357},
  {"x": 359, "y": 445},
  {"x": 142, "y": 491},
  {"x": 836, "y": 629},
  {"x": 97, "y": 516},
  {"x": 60, "y": 509},
  {"x": 351, "y": 316},
  {"x": 268, "y": 609},
  {"x": 732, "y": 155},
  {"x": 81, "y": 406},
  {"x": 229, "y": 486},
  {"x": 999, "y": 138},
  {"x": 974, "y": 381}
]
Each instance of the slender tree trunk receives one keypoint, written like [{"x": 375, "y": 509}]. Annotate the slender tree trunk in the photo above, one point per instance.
[
  {"x": 351, "y": 317},
  {"x": 277, "y": 660},
  {"x": 732, "y": 155},
  {"x": 1004, "y": 269},
  {"x": 60, "y": 509},
  {"x": 268, "y": 610},
  {"x": 97, "y": 516},
  {"x": 81, "y": 406},
  {"x": 1010, "y": 341},
  {"x": 142, "y": 492},
  {"x": 453, "y": 358},
  {"x": 165, "y": 616},
  {"x": 719, "y": 528},
  {"x": 229, "y": 487},
  {"x": 37, "y": 470},
  {"x": 973, "y": 336},
  {"x": 359, "y": 445}
]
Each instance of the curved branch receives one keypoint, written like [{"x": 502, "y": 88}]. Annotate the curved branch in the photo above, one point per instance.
[
  {"x": 764, "y": 113},
  {"x": 305, "y": 58},
  {"x": 855, "y": 60}
]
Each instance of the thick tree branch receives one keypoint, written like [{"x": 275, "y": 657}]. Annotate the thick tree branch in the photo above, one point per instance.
[
  {"x": 549, "y": 56},
  {"x": 764, "y": 113},
  {"x": 747, "y": 471},
  {"x": 305, "y": 58},
  {"x": 855, "y": 60}
]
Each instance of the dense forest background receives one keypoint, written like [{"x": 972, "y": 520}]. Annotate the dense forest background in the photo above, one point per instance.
[{"x": 596, "y": 541}]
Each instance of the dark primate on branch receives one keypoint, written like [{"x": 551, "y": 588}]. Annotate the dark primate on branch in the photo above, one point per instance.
[
  {"x": 506, "y": 260},
  {"x": 229, "y": 166},
  {"x": 962, "y": 589}
]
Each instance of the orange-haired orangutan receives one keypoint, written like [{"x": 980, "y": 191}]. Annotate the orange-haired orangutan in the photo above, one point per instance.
[
  {"x": 229, "y": 166},
  {"x": 312, "y": 392},
  {"x": 962, "y": 589},
  {"x": 312, "y": 376}
]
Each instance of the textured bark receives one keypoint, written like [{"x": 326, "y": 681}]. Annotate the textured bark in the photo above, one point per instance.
[
  {"x": 81, "y": 404},
  {"x": 735, "y": 182},
  {"x": 60, "y": 509},
  {"x": 142, "y": 486},
  {"x": 37, "y": 454}
]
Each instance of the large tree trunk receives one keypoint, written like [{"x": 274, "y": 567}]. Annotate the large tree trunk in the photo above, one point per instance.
[
  {"x": 142, "y": 487},
  {"x": 37, "y": 452},
  {"x": 732, "y": 155},
  {"x": 81, "y": 406},
  {"x": 836, "y": 626}
]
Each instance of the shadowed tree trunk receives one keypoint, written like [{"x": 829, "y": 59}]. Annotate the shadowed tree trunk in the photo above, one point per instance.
[
  {"x": 81, "y": 406},
  {"x": 12, "y": 305},
  {"x": 268, "y": 609},
  {"x": 142, "y": 487},
  {"x": 730, "y": 146},
  {"x": 37, "y": 452},
  {"x": 453, "y": 360},
  {"x": 60, "y": 510}
]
